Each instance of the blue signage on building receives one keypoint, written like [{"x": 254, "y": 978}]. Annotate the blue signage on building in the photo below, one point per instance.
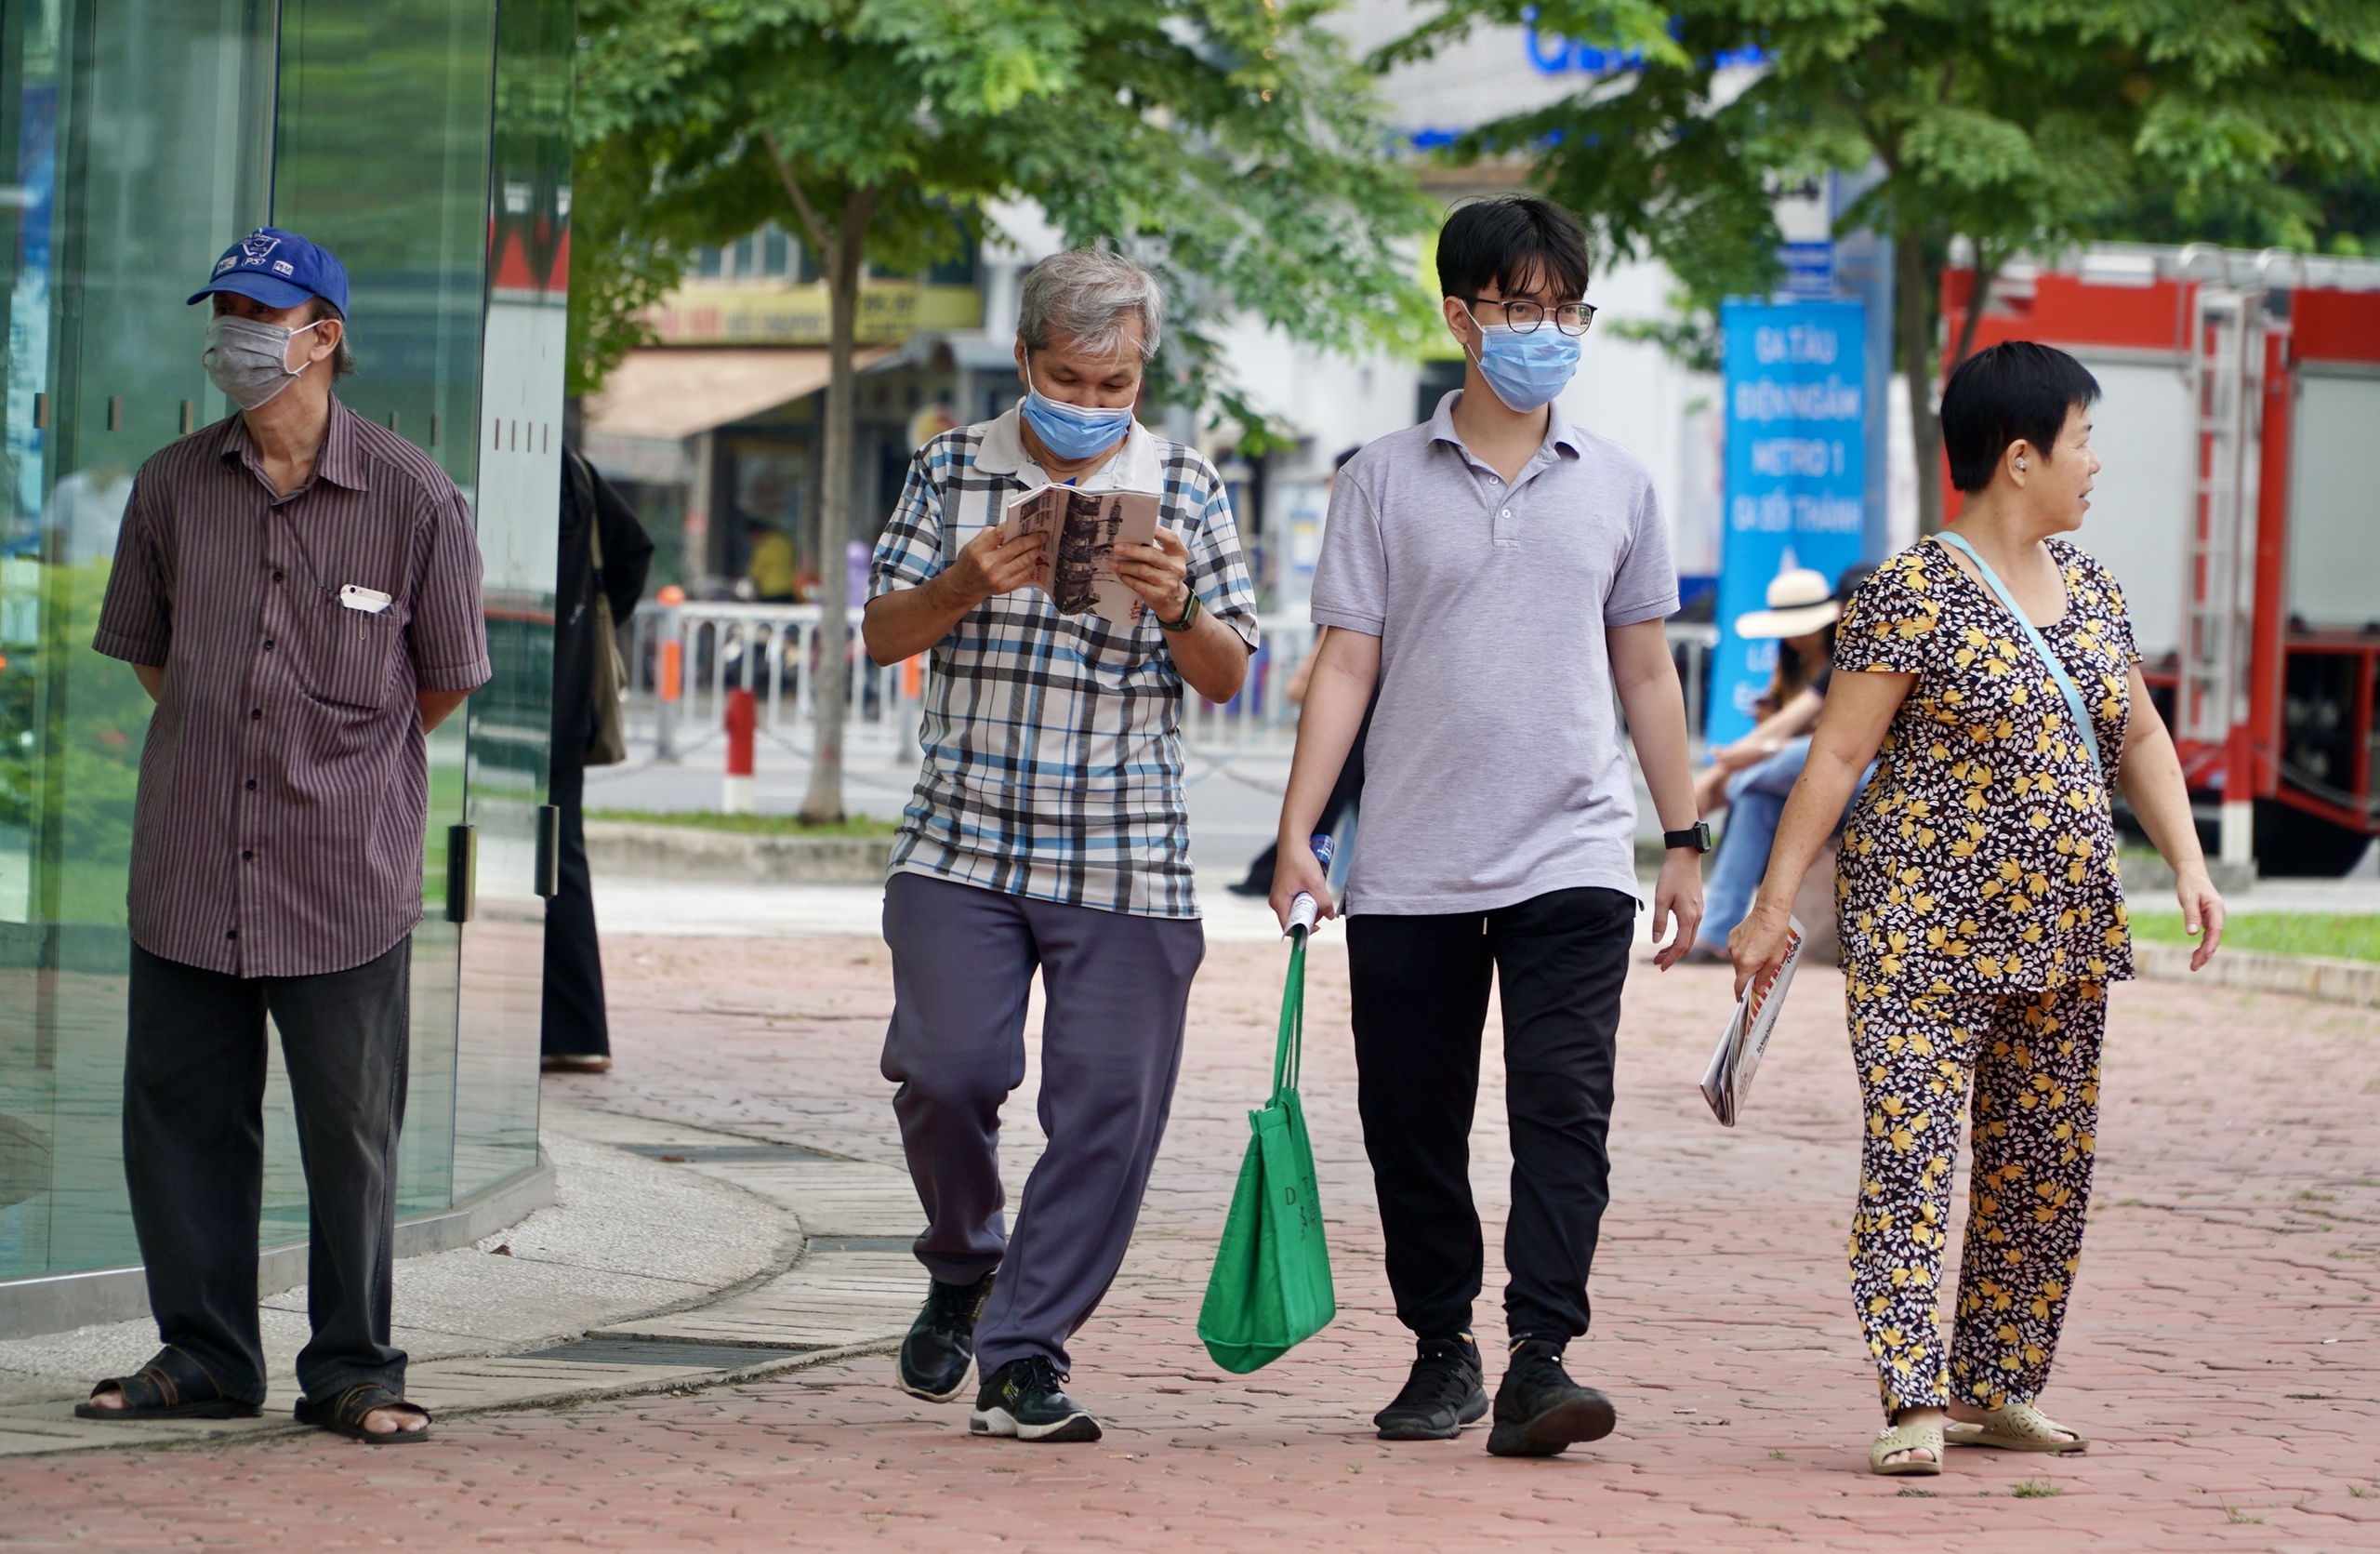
[{"x": 1797, "y": 474}]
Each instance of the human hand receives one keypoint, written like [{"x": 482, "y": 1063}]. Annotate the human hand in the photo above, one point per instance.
[
  {"x": 1678, "y": 894},
  {"x": 1158, "y": 572},
  {"x": 1757, "y": 947},
  {"x": 1296, "y": 871},
  {"x": 989, "y": 567},
  {"x": 2202, "y": 911}
]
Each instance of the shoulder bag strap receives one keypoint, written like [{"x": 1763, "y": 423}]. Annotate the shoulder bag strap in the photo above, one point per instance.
[{"x": 2066, "y": 685}]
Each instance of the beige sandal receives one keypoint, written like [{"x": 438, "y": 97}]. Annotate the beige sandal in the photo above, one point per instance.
[
  {"x": 2019, "y": 1428},
  {"x": 1907, "y": 1438}
]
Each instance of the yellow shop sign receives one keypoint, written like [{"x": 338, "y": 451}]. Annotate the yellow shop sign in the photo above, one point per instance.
[{"x": 890, "y": 312}]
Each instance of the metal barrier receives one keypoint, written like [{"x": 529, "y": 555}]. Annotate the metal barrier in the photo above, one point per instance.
[{"x": 684, "y": 658}]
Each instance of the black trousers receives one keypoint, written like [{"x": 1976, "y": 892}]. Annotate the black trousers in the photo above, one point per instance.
[
  {"x": 574, "y": 1023},
  {"x": 194, "y": 1155},
  {"x": 1419, "y": 988}
]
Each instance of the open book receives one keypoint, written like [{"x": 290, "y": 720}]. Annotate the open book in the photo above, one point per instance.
[
  {"x": 1081, "y": 530},
  {"x": 1728, "y": 1081}
]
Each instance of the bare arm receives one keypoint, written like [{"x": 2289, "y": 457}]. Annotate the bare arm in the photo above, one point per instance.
[
  {"x": 1646, "y": 677},
  {"x": 907, "y": 621},
  {"x": 437, "y": 706},
  {"x": 1789, "y": 721},
  {"x": 152, "y": 679},
  {"x": 1212, "y": 657},
  {"x": 1346, "y": 666},
  {"x": 2150, "y": 774},
  {"x": 1859, "y": 709}
]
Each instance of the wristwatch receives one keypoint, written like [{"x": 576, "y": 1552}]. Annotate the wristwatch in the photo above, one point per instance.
[
  {"x": 1697, "y": 836},
  {"x": 1189, "y": 615}
]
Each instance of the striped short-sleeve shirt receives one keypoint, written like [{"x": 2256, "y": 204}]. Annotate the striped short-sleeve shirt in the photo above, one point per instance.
[
  {"x": 1052, "y": 743},
  {"x": 284, "y": 783}
]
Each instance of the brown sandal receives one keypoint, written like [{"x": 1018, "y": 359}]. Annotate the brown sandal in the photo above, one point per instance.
[
  {"x": 155, "y": 1392},
  {"x": 344, "y": 1414}
]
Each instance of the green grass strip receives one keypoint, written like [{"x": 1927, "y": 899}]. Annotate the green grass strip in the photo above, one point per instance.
[
  {"x": 2332, "y": 936},
  {"x": 747, "y": 825}
]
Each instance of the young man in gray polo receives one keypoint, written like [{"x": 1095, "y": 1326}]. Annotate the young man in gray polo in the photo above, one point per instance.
[
  {"x": 1047, "y": 833},
  {"x": 1498, "y": 575}
]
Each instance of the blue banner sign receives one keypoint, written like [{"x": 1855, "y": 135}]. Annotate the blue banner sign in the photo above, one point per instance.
[{"x": 1797, "y": 474}]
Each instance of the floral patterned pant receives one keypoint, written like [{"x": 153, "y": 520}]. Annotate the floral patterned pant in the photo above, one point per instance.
[{"x": 2033, "y": 1062}]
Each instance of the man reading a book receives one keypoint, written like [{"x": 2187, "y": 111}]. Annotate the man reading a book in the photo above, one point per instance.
[
  {"x": 1500, "y": 574},
  {"x": 1047, "y": 833}
]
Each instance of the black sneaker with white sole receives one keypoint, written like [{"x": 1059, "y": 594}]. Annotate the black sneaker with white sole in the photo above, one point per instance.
[
  {"x": 1540, "y": 1411},
  {"x": 1444, "y": 1393},
  {"x": 1022, "y": 1400},
  {"x": 941, "y": 1345}
]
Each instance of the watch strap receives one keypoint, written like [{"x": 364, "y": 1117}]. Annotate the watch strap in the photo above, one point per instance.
[{"x": 1189, "y": 615}]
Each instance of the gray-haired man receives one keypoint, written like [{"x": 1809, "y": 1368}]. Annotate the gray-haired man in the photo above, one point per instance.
[{"x": 1047, "y": 833}]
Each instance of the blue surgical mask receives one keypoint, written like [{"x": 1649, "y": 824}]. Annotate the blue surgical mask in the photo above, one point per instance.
[
  {"x": 1069, "y": 431},
  {"x": 1527, "y": 371}
]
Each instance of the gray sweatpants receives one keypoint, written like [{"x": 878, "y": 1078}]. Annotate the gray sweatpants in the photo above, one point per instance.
[{"x": 1117, "y": 988}]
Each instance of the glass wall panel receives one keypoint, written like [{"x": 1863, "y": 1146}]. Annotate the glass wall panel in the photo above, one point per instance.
[
  {"x": 383, "y": 158},
  {"x": 134, "y": 139},
  {"x": 495, "y": 1113},
  {"x": 137, "y": 140}
]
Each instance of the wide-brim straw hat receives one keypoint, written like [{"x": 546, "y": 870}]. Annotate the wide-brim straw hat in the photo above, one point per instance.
[{"x": 1800, "y": 601}]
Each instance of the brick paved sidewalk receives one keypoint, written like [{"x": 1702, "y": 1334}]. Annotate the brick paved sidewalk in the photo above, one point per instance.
[{"x": 2223, "y": 1352}]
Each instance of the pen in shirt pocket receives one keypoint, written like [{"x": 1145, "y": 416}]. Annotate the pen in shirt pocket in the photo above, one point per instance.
[{"x": 371, "y": 600}]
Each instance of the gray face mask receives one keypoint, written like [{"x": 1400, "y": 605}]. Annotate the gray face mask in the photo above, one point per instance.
[{"x": 249, "y": 361}]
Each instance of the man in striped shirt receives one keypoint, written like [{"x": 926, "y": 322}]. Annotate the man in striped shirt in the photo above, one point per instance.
[
  {"x": 1049, "y": 833},
  {"x": 299, "y": 591}
]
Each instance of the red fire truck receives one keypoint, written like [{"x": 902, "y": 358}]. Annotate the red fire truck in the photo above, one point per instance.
[{"x": 2240, "y": 434}]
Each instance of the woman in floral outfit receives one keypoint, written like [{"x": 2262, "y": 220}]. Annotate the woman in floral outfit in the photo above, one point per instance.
[{"x": 1981, "y": 916}]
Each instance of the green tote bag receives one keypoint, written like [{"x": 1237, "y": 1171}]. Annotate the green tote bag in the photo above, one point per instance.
[{"x": 1271, "y": 1287}]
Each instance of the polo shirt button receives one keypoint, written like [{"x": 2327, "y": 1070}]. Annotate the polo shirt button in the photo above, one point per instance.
[
  {"x": 268, "y": 644},
  {"x": 233, "y": 934},
  {"x": 255, "y": 712},
  {"x": 276, "y": 576},
  {"x": 246, "y": 854},
  {"x": 252, "y": 785}
]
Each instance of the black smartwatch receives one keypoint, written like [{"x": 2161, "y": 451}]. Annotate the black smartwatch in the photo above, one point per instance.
[{"x": 1697, "y": 836}]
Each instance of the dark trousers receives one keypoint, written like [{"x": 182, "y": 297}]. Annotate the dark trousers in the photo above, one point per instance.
[
  {"x": 1419, "y": 988},
  {"x": 194, "y": 1155},
  {"x": 1117, "y": 990},
  {"x": 574, "y": 1024}
]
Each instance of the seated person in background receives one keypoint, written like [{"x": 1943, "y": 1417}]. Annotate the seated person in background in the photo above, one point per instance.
[{"x": 1751, "y": 777}]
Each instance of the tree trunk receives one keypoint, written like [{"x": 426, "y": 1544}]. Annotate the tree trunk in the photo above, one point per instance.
[
  {"x": 1917, "y": 302},
  {"x": 831, "y": 687}
]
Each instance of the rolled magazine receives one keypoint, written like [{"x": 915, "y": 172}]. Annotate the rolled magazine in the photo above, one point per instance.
[{"x": 1728, "y": 1081}]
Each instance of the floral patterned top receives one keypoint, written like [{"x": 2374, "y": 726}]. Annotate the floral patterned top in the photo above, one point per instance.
[{"x": 1982, "y": 855}]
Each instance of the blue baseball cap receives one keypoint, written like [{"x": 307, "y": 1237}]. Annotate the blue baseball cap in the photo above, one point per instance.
[{"x": 279, "y": 268}]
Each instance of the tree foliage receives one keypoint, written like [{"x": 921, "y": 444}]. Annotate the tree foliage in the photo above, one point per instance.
[
  {"x": 1231, "y": 144},
  {"x": 2017, "y": 125}
]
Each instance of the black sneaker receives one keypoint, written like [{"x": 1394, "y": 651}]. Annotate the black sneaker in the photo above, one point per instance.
[
  {"x": 1022, "y": 1400},
  {"x": 1442, "y": 1395},
  {"x": 1539, "y": 1410},
  {"x": 941, "y": 1344}
]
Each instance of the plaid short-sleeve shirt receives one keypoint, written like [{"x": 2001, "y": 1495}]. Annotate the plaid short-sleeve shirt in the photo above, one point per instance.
[{"x": 1052, "y": 743}]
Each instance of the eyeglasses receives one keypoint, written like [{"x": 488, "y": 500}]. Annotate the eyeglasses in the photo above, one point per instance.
[{"x": 1571, "y": 318}]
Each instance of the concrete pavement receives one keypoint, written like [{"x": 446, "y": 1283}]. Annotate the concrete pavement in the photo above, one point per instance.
[{"x": 2224, "y": 1353}]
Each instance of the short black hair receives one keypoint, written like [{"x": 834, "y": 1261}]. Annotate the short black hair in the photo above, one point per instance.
[
  {"x": 2017, "y": 389},
  {"x": 1345, "y": 454},
  {"x": 1510, "y": 240}
]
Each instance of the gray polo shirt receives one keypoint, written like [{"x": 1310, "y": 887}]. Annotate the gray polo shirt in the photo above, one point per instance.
[{"x": 1494, "y": 771}]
